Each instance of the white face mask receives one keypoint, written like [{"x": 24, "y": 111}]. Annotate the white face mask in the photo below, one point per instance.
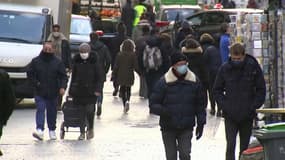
[{"x": 84, "y": 55}]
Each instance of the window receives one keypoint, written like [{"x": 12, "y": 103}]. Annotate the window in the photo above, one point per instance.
[
  {"x": 214, "y": 18},
  {"x": 197, "y": 20}
]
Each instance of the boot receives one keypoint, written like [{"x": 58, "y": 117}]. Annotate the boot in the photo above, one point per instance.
[
  {"x": 90, "y": 134},
  {"x": 99, "y": 109},
  {"x": 115, "y": 92},
  {"x": 126, "y": 107},
  {"x": 1, "y": 154}
]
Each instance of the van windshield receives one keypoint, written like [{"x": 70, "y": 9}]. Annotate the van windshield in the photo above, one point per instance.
[
  {"x": 21, "y": 27},
  {"x": 80, "y": 26}
]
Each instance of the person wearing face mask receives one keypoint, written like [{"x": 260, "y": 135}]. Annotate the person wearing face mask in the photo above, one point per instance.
[
  {"x": 239, "y": 90},
  {"x": 47, "y": 74},
  {"x": 179, "y": 101},
  {"x": 86, "y": 85},
  {"x": 61, "y": 44}
]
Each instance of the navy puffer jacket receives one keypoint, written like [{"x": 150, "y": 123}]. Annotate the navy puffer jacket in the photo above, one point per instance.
[
  {"x": 239, "y": 91},
  {"x": 180, "y": 103}
]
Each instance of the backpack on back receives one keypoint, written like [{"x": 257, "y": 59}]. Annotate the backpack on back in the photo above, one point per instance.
[{"x": 152, "y": 58}]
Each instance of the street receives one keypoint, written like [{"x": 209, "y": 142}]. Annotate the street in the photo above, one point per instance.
[{"x": 118, "y": 136}]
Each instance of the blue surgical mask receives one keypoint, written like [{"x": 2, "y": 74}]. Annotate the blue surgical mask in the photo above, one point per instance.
[
  {"x": 182, "y": 69},
  {"x": 237, "y": 63}
]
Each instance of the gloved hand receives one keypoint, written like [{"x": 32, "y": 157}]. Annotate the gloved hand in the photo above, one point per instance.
[{"x": 199, "y": 132}]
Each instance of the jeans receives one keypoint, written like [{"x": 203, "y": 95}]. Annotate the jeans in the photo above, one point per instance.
[
  {"x": 177, "y": 140},
  {"x": 87, "y": 113},
  {"x": 42, "y": 105},
  {"x": 232, "y": 128}
]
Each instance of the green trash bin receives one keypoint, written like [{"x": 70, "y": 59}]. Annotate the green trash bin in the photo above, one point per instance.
[{"x": 272, "y": 138}]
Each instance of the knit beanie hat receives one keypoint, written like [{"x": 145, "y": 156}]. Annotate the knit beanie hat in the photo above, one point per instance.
[
  {"x": 84, "y": 48},
  {"x": 176, "y": 57}
]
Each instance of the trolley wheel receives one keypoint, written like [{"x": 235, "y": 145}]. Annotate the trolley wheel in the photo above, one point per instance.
[{"x": 62, "y": 131}]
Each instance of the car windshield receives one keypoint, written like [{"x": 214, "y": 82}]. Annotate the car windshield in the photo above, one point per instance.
[
  {"x": 21, "y": 27},
  {"x": 80, "y": 26},
  {"x": 170, "y": 14}
]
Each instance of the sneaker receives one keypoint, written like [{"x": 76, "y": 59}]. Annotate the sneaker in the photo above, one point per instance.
[
  {"x": 82, "y": 136},
  {"x": 127, "y": 107},
  {"x": 52, "y": 135},
  {"x": 1, "y": 154},
  {"x": 38, "y": 134},
  {"x": 99, "y": 110},
  {"x": 90, "y": 134}
]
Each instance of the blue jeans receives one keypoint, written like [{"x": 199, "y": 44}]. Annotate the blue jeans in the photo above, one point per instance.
[
  {"x": 42, "y": 105},
  {"x": 177, "y": 140}
]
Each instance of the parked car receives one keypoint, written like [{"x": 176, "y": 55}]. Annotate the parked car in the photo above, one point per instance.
[
  {"x": 80, "y": 28},
  {"x": 210, "y": 21},
  {"x": 167, "y": 14}
]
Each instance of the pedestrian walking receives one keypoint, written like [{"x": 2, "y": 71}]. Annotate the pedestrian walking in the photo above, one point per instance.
[
  {"x": 183, "y": 31},
  {"x": 7, "y": 100},
  {"x": 239, "y": 90},
  {"x": 104, "y": 61},
  {"x": 125, "y": 65},
  {"x": 213, "y": 62},
  {"x": 62, "y": 51},
  {"x": 128, "y": 17},
  {"x": 179, "y": 101},
  {"x": 116, "y": 42},
  {"x": 48, "y": 76},
  {"x": 196, "y": 62},
  {"x": 140, "y": 46},
  {"x": 86, "y": 85},
  {"x": 140, "y": 8},
  {"x": 225, "y": 42},
  {"x": 61, "y": 44}
]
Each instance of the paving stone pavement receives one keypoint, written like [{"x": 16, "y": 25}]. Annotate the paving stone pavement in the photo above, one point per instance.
[{"x": 118, "y": 136}]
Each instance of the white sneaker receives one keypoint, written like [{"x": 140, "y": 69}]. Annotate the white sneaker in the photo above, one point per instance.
[
  {"x": 52, "y": 135},
  {"x": 38, "y": 134}
]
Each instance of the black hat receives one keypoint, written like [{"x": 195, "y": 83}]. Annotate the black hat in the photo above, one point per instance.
[{"x": 176, "y": 57}]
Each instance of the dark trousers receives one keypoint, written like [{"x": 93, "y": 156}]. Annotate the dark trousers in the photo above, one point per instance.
[
  {"x": 87, "y": 117},
  {"x": 49, "y": 105},
  {"x": 177, "y": 141},
  {"x": 151, "y": 78},
  {"x": 125, "y": 92},
  {"x": 212, "y": 78},
  {"x": 232, "y": 129}
]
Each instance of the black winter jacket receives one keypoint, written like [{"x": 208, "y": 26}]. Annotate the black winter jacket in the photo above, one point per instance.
[
  {"x": 47, "y": 74},
  {"x": 7, "y": 98},
  {"x": 239, "y": 91},
  {"x": 196, "y": 63},
  {"x": 213, "y": 59},
  {"x": 180, "y": 103},
  {"x": 86, "y": 79},
  {"x": 103, "y": 56},
  {"x": 66, "y": 54}
]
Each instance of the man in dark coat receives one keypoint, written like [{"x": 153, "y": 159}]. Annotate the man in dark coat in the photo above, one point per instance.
[
  {"x": 179, "y": 101},
  {"x": 213, "y": 62},
  {"x": 7, "y": 100},
  {"x": 104, "y": 61},
  {"x": 48, "y": 76},
  {"x": 86, "y": 85},
  {"x": 128, "y": 17},
  {"x": 239, "y": 90}
]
